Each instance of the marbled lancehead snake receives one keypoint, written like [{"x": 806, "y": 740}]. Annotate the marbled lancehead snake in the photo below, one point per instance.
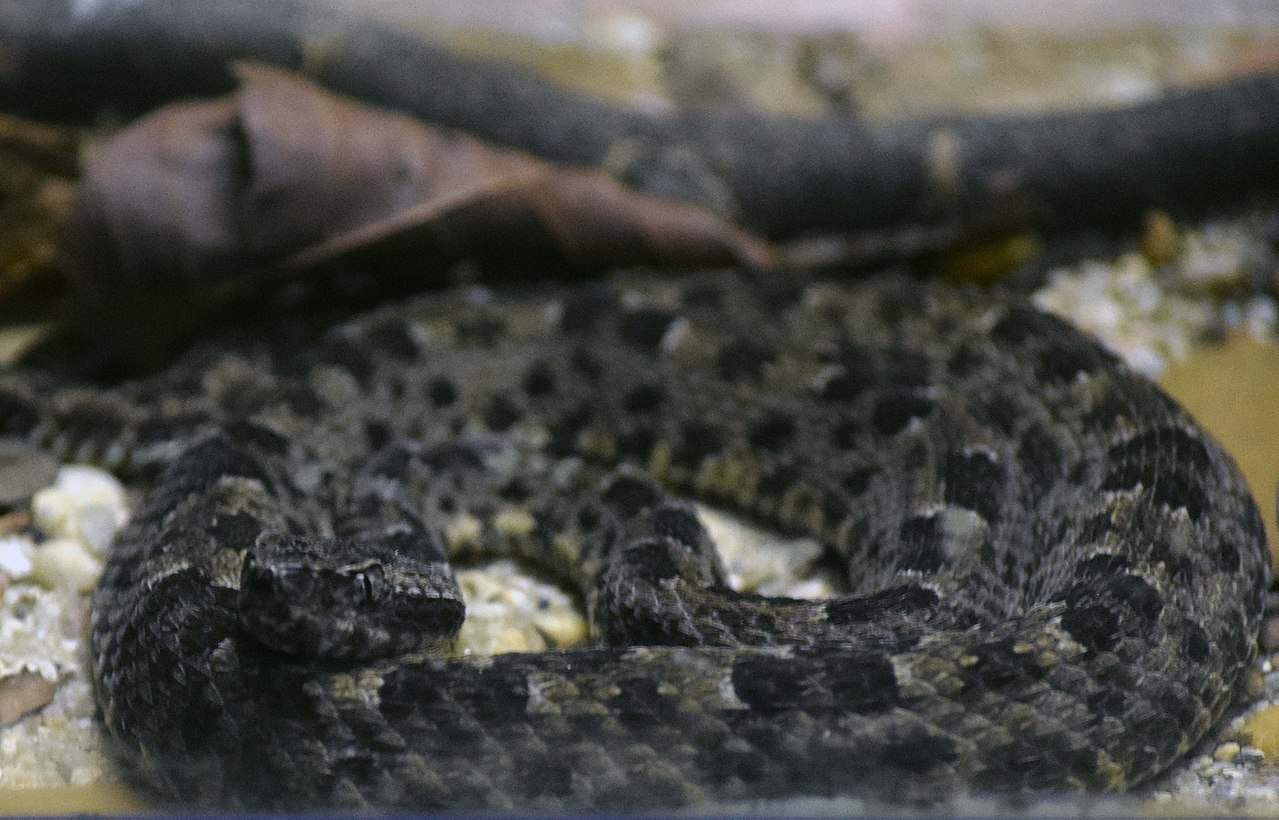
[{"x": 1057, "y": 577}]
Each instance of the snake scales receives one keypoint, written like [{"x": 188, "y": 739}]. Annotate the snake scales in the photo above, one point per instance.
[{"x": 1056, "y": 576}]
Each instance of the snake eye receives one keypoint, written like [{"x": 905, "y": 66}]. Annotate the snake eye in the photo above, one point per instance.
[{"x": 369, "y": 582}]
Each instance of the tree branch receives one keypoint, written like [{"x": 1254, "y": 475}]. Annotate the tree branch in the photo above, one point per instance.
[{"x": 1184, "y": 151}]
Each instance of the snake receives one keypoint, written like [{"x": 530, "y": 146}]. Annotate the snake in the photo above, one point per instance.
[{"x": 1056, "y": 577}]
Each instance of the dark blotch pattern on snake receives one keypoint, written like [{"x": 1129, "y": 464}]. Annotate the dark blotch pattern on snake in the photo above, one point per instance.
[{"x": 1056, "y": 576}]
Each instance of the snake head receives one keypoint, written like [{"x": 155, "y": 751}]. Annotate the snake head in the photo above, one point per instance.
[{"x": 342, "y": 600}]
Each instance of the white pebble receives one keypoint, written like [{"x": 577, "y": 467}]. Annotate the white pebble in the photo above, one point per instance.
[
  {"x": 89, "y": 484},
  {"x": 810, "y": 590},
  {"x": 15, "y": 556},
  {"x": 97, "y": 525},
  {"x": 1231, "y": 314},
  {"x": 85, "y": 775},
  {"x": 1227, "y": 752},
  {"x": 1106, "y": 315},
  {"x": 53, "y": 511},
  {"x": 1261, "y": 317},
  {"x": 1145, "y": 361},
  {"x": 85, "y": 504},
  {"x": 63, "y": 562}
]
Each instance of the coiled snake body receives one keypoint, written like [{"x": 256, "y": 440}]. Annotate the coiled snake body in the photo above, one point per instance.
[{"x": 1056, "y": 576}]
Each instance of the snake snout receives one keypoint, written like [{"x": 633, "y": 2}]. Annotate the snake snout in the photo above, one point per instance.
[{"x": 342, "y": 600}]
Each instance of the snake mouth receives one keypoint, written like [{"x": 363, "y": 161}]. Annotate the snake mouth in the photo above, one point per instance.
[{"x": 306, "y": 598}]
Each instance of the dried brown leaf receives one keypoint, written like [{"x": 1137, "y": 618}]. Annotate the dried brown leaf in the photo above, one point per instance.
[
  {"x": 323, "y": 165},
  {"x": 155, "y": 224},
  {"x": 346, "y": 176},
  {"x": 181, "y": 210}
]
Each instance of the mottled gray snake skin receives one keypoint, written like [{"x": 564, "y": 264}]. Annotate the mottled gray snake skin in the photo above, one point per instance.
[{"x": 1056, "y": 577}]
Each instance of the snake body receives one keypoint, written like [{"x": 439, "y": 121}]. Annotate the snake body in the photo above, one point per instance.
[{"x": 1056, "y": 577}]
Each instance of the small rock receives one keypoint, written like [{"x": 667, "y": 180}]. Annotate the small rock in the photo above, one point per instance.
[
  {"x": 85, "y": 775},
  {"x": 1127, "y": 306},
  {"x": 85, "y": 504},
  {"x": 53, "y": 511},
  {"x": 507, "y": 611},
  {"x": 97, "y": 525},
  {"x": 1226, "y": 752},
  {"x": 62, "y": 562},
  {"x": 23, "y": 693},
  {"x": 89, "y": 484},
  {"x": 1260, "y": 317},
  {"x": 1214, "y": 259},
  {"x": 1160, "y": 241},
  {"x": 757, "y": 563},
  {"x": 23, "y": 471},
  {"x": 563, "y": 628},
  {"x": 1261, "y": 730},
  {"x": 510, "y": 640},
  {"x": 15, "y": 556}
]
